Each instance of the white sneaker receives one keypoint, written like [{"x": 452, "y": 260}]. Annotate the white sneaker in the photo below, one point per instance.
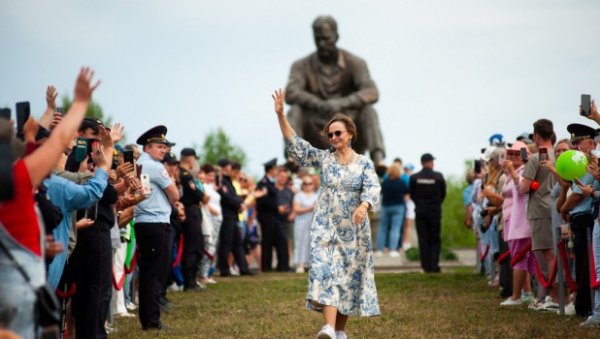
[
  {"x": 378, "y": 254},
  {"x": 511, "y": 302},
  {"x": 125, "y": 315},
  {"x": 131, "y": 306},
  {"x": 590, "y": 322},
  {"x": 326, "y": 332},
  {"x": 406, "y": 246},
  {"x": 550, "y": 305},
  {"x": 300, "y": 269},
  {"x": 211, "y": 281},
  {"x": 526, "y": 298},
  {"x": 570, "y": 309},
  {"x": 394, "y": 254},
  {"x": 340, "y": 335}
]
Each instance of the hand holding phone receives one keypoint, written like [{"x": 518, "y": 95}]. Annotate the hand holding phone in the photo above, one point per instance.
[
  {"x": 586, "y": 105},
  {"x": 23, "y": 113},
  {"x": 543, "y": 152},
  {"x": 145, "y": 181},
  {"x": 523, "y": 151}
]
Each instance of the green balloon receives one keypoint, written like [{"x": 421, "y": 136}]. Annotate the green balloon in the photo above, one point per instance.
[{"x": 571, "y": 164}]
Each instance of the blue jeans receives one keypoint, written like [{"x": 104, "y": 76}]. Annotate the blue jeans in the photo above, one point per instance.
[
  {"x": 596, "y": 247},
  {"x": 392, "y": 218}
]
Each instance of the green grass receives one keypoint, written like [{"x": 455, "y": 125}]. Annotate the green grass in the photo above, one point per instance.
[
  {"x": 454, "y": 232},
  {"x": 458, "y": 304}
]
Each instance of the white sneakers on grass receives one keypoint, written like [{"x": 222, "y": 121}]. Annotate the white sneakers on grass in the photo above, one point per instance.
[
  {"x": 511, "y": 302},
  {"x": 326, "y": 332},
  {"x": 590, "y": 322}
]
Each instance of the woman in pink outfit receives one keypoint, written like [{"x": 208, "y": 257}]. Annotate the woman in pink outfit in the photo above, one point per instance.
[{"x": 516, "y": 228}]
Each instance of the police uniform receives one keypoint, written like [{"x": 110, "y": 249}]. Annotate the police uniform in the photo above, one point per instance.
[
  {"x": 151, "y": 228},
  {"x": 230, "y": 238},
  {"x": 193, "y": 241},
  {"x": 428, "y": 190},
  {"x": 267, "y": 214},
  {"x": 581, "y": 220}
]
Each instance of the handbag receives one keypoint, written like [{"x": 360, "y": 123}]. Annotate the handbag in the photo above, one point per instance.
[{"x": 47, "y": 309}]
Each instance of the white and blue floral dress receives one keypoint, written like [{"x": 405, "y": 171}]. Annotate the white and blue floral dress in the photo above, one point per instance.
[{"x": 341, "y": 270}]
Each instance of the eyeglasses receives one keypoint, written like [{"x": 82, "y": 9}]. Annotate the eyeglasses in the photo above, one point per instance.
[
  {"x": 336, "y": 133},
  {"x": 306, "y": 183}
]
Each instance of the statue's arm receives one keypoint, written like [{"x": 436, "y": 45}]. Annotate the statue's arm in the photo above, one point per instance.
[{"x": 295, "y": 92}]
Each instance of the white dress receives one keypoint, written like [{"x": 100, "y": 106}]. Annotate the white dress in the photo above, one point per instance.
[{"x": 341, "y": 263}]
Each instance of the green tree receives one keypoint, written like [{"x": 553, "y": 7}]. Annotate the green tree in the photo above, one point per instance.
[
  {"x": 217, "y": 145},
  {"x": 454, "y": 231},
  {"x": 94, "y": 110}
]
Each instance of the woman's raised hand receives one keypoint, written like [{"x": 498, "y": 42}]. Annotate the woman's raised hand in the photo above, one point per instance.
[
  {"x": 83, "y": 86},
  {"x": 278, "y": 98}
]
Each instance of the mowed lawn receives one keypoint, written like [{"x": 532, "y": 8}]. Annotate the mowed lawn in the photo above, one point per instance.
[{"x": 456, "y": 304}]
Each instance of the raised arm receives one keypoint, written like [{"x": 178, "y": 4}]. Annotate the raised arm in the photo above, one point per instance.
[
  {"x": 48, "y": 115},
  {"x": 286, "y": 129},
  {"x": 43, "y": 160}
]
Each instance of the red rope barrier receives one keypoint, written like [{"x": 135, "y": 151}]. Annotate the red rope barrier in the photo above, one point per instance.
[
  {"x": 503, "y": 257},
  {"x": 208, "y": 255},
  {"x": 118, "y": 285},
  {"x": 68, "y": 293},
  {"x": 546, "y": 283},
  {"x": 179, "y": 252},
  {"x": 563, "y": 256},
  {"x": 131, "y": 264},
  {"x": 519, "y": 255},
  {"x": 485, "y": 253}
]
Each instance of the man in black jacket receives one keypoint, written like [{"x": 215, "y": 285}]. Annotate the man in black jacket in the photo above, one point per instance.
[
  {"x": 193, "y": 241},
  {"x": 267, "y": 209},
  {"x": 428, "y": 190},
  {"x": 230, "y": 238}
]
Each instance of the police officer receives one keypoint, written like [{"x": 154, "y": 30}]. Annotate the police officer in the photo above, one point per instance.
[
  {"x": 193, "y": 241},
  {"x": 428, "y": 190},
  {"x": 230, "y": 237},
  {"x": 267, "y": 209},
  {"x": 152, "y": 222}
]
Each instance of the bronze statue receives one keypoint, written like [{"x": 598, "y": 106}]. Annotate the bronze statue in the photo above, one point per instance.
[{"x": 329, "y": 81}]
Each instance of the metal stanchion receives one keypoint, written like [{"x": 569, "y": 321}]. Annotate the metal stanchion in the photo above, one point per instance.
[
  {"x": 560, "y": 273},
  {"x": 588, "y": 234}
]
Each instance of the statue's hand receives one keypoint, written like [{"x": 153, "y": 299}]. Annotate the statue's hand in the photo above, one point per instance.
[
  {"x": 324, "y": 107},
  {"x": 336, "y": 104}
]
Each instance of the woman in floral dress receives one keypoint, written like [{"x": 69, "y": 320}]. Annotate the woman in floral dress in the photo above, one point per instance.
[{"x": 341, "y": 278}]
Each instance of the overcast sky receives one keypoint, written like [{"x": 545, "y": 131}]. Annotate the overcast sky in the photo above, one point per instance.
[{"x": 449, "y": 73}]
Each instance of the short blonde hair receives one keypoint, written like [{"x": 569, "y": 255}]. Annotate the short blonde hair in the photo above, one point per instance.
[{"x": 394, "y": 171}]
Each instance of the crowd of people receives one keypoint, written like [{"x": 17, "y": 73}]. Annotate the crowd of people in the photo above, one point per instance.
[
  {"x": 103, "y": 229},
  {"x": 538, "y": 232}
]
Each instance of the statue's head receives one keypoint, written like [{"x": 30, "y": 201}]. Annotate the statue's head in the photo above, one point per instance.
[{"x": 326, "y": 35}]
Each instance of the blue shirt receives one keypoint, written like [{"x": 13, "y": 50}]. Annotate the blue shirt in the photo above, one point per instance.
[
  {"x": 156, "y": 208},
  {"x": 69, "y": 197},
  {"x": 586, "y": 204},
  {"x": 467, "y": 193}
]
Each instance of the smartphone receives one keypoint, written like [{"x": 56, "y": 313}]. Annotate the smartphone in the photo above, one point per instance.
[
  {"x": 145, "y": 180},
  {"x": 586, "y": 105},
  {"x": 5, "y": 113},
  {"x": 543, "y": 154},
  {"x": 477, "y": 165},
  {"x": 60, "y": 110},
  {"x": 23, "y": 113},
  {"x": 218, "y": 179},
  {"x": 81, "y": 149},
  {"x": 502, "y": 157},
  {"x": 6, "y": 172},
  {"x": 128, "y": 156},
  {"x": 524, "y": 154}
]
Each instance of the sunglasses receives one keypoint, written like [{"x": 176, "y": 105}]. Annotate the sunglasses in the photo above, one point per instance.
[
  {"x": 336, "y": 133},
  {"x": 307, "y": 183}
]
